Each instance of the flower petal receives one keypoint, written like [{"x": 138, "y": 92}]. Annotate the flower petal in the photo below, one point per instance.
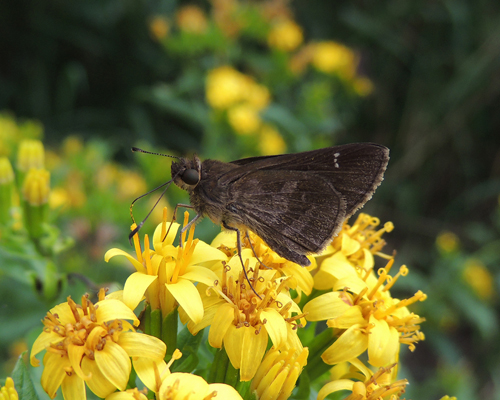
[
  {"x": 350, "y": 317},
  {"x": 200, "y": 274},
  {"x": 275, "y": 326},
  {"x": 117, "y": 252},
  {"x": 383, "y": 343},
  {"x": 349, "y": 345},
  {"x": 98, "y": 383},
  {"x": 114, "y": 363},
  {"x": 327, "y": 306},
  {"x": 252, "y": 351},
  {"x": 188, "y": 298},
  {"x": 135, "y": 286},
  {"x": 224, "y": 391},
  {"x": 41, "y": 343},
  {"x": 222, "y": 320},
  {"x": 53, "y": 372},
  {"x": 203, "y": 252},
  {"x": 145, "y": 368},
  {"x": 111, "y": 309},
  {"x": 335, "y": 386},
  {"x": 142, "y": 345},
  {"x": 233, "y": 341},
  {"x": 187, "y": 385},
  {"x": 73, "y": 388}
]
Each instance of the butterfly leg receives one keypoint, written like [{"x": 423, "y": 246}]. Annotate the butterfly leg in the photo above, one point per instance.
[
  {"x": 174, "y": 218},
  {"x": 254, "y": 253},
  {"x": 238, "y": 241}
]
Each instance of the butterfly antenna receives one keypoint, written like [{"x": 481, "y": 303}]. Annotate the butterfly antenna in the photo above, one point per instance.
[
  {"x": 139, "y": 226},
  {"x": 137, "y": 149}
]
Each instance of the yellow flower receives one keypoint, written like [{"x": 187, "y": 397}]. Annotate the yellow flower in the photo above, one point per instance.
[
  {"x": 72, "y": 145},
  {"x": 6, "y": 189},
  {"x": 368, "y": 385},
  {"x": 167, "y": 274},
  {"x": 9, "y": 134},
  {"x": 360, "y": 305},
  {"x": 299, "y": 278},
  {"x": 244, "y": 119},
  {"x": 241, "y": 321},
  {"x": 30, "y": 155},
  {"x": 285, "y": 35},
  {"x": 130, "y": 394},
  {"x": 130, "y": 184},
  {"x": 192, "y": 19},
  {"x": 92, "y": 345},
  {"x": 278, "y": 373},
  {"x": 183, "y": 386},
  {"x": 479, "y": 278},
  {"x": 270, "y": 141},
  {"x": 226, "y": 87},
  {"x": 36, "y": 187},
  {"x": 332, "y": 57},
  {"x": 159, "y": 27},
  {"x": 447, "y": 242},
  {"x": 8, "y": 392}
]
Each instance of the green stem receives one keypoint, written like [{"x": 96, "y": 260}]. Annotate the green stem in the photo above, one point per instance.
[
  {"x": 169, "y": 333},
  {"x": 316, "y": 367}
]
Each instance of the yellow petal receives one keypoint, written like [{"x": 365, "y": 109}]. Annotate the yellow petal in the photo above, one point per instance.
[
  {"x": 233, "y": 341},
  {"x": 350, "y": 317},
  {"x": 200, "y": 274},
  {"x": 383, "y": 343},
  {"x": 111, "y": 309},
  {"x": 188, "y": 298},
  {"x": 222, "y": 320},
  {"x": 332, "y": 268},
  {"x": 369, "y": 262},
  {"x": 226, "y": 238},
  {"x": 64, "y": 313},
  {"x": 73, "y": 388},
  {"x": 203, "y": 252},
  {"x": 53, "y": 372},
  {"x": 75, "y": 354},
  {"x": 135, "y": 287},
  {"x": 188, "y": 386},
  {"x": 224, "y": 391},
  {"x": 41, "y": 343},
  {"x": 349, "y": 345},
  {"x": 353, "y": 283},
  {"x": 145, "y": 368},
  {"x": 327, "y": 306},
  {"x": 142, "y": 345},
  {"x": 305, "y": 280},
  {"x": 172, "y": 233},
  {"x": 275, "y": 326},
  {"x": 117, "y": 252},
  {"x": 114, "y": 363},
  {"x": 252, "y": 351},
  {"x": 98, "y": 383},
  {"x": 335, "y": 386},
  {"x": 349, "y": 246}
]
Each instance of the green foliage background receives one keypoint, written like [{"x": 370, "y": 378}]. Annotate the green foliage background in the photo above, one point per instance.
[{"x": 92, "y": 69}]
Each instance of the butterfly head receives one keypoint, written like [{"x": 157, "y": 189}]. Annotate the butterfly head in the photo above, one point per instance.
[{"x": 186, "y": 173}]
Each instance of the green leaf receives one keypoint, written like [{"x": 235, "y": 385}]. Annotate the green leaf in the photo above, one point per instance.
[{"x": 22, "y": 381}]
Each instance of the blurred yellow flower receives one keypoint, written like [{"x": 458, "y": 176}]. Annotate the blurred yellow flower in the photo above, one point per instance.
[
  {"x": 72, "y": 145},
  {"x": 30, "y": 155},
  {"x": 59, "y": 198},
  {"x": 362, "y": 85},
  {"x": 36, "y": 187},
  {"x": 285, "y": 35},
  {"x": 479, "y": 278},
  {"x": 130, "y": 184},
  {"x": 159, "y": 27},
  {"x": 244, "y": 119},
  {"x": 9, "y": 134},
  {"x": 192, "y": 19},
  {"x": 270, "y": 141},
  {"x": 332, "y": 57},
  {"x": 8, "y": 392},
  {"x": 226, "y": 87},
  {"x": 447, "y": 242}
]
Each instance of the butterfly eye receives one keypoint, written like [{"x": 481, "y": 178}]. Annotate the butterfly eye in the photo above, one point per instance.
[{"x": 191, "y": 176}]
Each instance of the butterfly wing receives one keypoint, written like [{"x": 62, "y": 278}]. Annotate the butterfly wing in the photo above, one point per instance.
[
  {"x": 298, "y": 202},
  {"x": 294, "y": 212}
]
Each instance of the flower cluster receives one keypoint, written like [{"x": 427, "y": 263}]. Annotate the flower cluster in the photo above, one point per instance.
[{"x": 249, "y": 303}]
